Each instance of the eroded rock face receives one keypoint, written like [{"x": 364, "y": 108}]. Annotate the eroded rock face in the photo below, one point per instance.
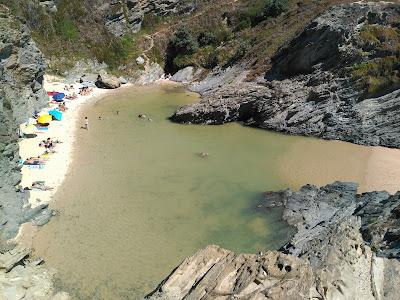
[
  {"x": 326, "y": 259},
  {"x": 21, "y": 74},
  {"x": 310, "y": 89},
  {"x": 127, "y": 15}
]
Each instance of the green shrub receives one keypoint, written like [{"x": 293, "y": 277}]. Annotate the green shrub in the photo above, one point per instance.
[
  {"x": 183, "y": 61},
  {"x": 150, "y": 21},
  {"x": 240, "y": 52},
  {"x": 378, "y": 76},
  {"x": 207, "y": 38},
  {"x": 274, "y": 8},
  {"x": 180, "y": 47},
  {"x": 184, "y": 42},
  {"x": 381, "y": 38},
  {"x": 67, "y": 29}
]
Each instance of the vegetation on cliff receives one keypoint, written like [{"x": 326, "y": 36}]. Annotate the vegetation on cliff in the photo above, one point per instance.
[{"x": 380, "y": 72}]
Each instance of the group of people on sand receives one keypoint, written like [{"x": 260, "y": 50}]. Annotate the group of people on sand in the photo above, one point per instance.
[
  {"x": 85, "y": 91},
  {"x": 49, "y": 145},
  {"x": 37, "y": 160}
]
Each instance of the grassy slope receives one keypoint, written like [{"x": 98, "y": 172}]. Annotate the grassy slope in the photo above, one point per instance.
[{"x": 77, "y": 31}]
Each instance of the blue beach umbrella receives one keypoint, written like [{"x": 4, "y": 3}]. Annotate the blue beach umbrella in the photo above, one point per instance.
[
  {"x": 56, "y": 114},
  {"x": 59, "y": 97}
]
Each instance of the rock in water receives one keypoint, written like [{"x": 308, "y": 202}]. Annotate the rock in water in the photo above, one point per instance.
[
  {"x": 107, "y": 82},
  {"x": 327, "y": 258},
  {"x": 313, "y": 88}
]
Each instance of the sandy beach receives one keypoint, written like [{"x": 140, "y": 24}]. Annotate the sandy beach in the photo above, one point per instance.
[{"x": 55, "y": 169}]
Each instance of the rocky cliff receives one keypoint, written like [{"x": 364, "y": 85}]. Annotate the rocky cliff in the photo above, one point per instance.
[
  {"x": 123, "y": 16},
  {"x": 339, "y": 79},
  {"x": 345, "y": 248},
  {"x": 21, "y": 93}
]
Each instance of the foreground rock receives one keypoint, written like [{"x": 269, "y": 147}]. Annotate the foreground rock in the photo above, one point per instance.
[
  {"x": 330, "y": 256},
  {"x": 23, "y": 278},
  {"x": 313, "y": 88}
]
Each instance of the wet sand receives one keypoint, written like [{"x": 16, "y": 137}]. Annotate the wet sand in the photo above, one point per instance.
[{"x": 313, "y": 161}]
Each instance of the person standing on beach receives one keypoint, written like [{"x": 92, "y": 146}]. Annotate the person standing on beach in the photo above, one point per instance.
[{"x": 86, "y": 123}]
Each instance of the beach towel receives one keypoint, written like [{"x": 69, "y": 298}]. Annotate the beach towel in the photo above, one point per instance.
[
  {"x": 42, "y": 128},
  {"x": 31, "y": 167}
]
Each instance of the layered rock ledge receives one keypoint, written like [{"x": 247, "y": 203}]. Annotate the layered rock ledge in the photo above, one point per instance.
[
  {"x": 346, "y": 247},
  {"x": 312, "y": 88}
]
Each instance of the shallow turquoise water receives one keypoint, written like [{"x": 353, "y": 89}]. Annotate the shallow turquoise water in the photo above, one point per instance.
[{"x": 138, "y": 199}]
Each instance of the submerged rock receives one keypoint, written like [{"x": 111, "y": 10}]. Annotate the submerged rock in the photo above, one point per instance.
[{"x": 327, "y": 258}]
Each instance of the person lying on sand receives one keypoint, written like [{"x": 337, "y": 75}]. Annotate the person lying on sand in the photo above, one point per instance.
[
  {"x": 72, "y": 97},
  {"x": 35, "y": 161},
  {"x": 49, "y": 143},
  {"x": 38, "y": 186},
  {"x": 62, "y": 107},
  {"x": 85, "y": 91}
]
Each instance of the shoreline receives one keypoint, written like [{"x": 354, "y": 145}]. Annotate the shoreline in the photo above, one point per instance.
[
  {"x": 58, "y": 164},
  {"x": 57, "y": 167}
]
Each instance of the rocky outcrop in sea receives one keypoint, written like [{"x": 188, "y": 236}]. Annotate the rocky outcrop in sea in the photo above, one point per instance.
[
  {"x": 322, "y": 83},
  {"x": 346, "y": 247}
]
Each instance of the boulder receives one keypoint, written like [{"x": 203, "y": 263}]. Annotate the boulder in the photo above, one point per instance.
[
  {"x": 184, "y": 75},
  {"x": 107, "y": 82},
  {"x": 140, "y": 60}
]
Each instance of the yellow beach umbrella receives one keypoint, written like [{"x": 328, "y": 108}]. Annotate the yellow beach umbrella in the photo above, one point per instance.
[{"x": 44, "y": 119}]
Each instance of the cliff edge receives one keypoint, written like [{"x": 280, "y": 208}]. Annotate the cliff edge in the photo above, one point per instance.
[{"x": 339, "y": 79}]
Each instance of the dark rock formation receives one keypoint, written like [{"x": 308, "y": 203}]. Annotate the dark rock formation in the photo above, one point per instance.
[
  {"x": 21, "y": 93},
  {"x": 311, "y": 89},
  {"x": 107, "y": 82},
  {"x": 329, "y": 257}
]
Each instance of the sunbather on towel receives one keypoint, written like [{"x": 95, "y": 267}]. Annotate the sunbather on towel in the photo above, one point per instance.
[
  {"x": 40, "y": 187},
  {"x": 34, "y": 161}
]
